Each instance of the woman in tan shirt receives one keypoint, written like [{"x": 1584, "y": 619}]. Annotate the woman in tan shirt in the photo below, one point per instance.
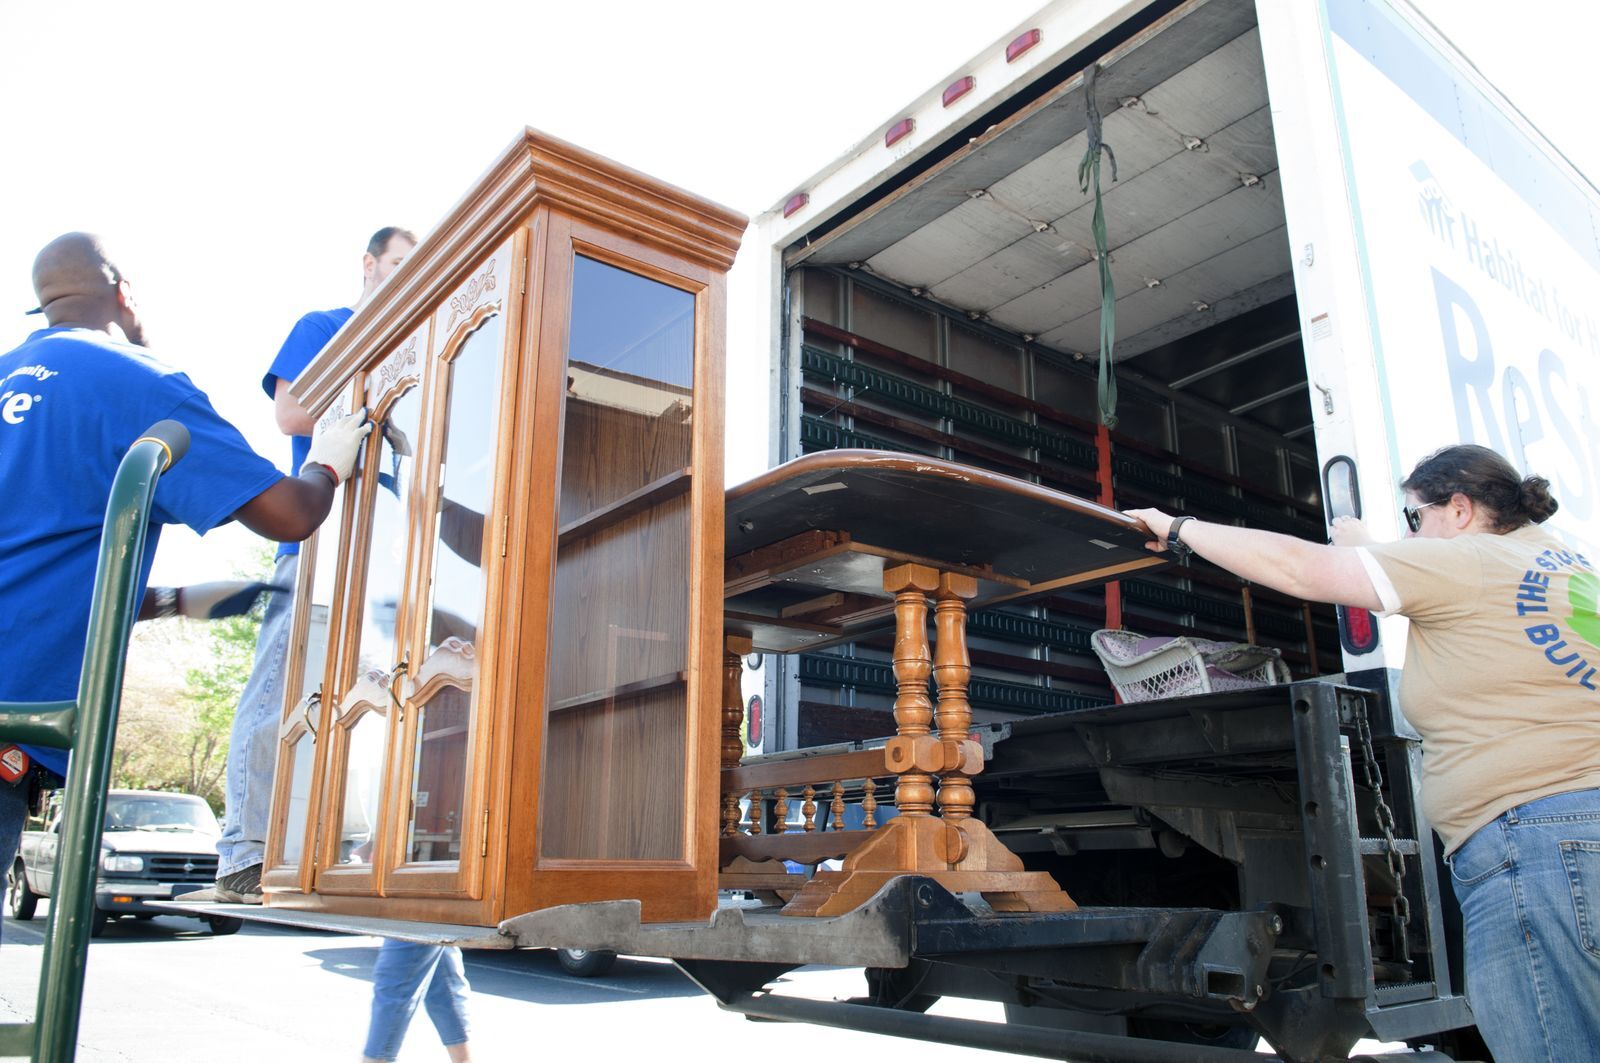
[{"x": 1502, "y": 680}]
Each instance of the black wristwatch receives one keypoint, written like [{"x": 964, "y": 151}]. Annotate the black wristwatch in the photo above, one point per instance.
[{"x": 1176, "y": 546}]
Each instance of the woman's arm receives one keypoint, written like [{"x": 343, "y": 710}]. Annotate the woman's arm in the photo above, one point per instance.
[{"x": 1309, "y": 571}]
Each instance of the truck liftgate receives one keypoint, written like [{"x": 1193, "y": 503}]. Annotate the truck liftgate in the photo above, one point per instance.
[
  {"x": 1269, "y": 807},
  {"x": 1236, "y": 879}
]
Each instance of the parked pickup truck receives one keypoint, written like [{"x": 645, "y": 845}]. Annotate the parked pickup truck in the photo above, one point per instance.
[{"x": 155, "y": 846}]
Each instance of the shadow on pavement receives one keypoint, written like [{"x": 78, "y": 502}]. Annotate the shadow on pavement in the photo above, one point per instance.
[
  {"x": 534, "y": 975},
  {"x": 127, "y": 930}
]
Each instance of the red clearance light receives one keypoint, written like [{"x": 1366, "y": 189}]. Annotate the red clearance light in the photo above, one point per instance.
[
  {"x": 899, "y": 131},
  {"x": 958, "y": 89},
  {"x": 796, "y": 201},
  {"x": 1021, "y": 44},
  {"x": 1358, "y": 629},
  {"x": 753, "y": 721}
]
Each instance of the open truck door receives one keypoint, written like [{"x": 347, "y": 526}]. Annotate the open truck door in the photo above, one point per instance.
[{"x": 1445, "y": 263}]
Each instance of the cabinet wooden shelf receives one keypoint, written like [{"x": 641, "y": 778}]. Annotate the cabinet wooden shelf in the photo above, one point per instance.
[
  {"x": 626, "y": 690},
  {"x": 503, "y": 685},
  {"x": 668, "y": 487}
]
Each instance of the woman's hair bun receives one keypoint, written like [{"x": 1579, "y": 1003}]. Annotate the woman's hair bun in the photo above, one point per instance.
[{"x": 1534, "y": 500}]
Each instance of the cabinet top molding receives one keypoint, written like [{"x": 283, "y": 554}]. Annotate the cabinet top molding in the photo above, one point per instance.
[{"x": 535, "y": 169}]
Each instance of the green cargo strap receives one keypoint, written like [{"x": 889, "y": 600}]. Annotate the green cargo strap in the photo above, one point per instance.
[{"x": 1089, "y": 174}]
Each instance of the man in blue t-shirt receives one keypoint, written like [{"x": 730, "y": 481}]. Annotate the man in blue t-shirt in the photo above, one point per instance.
[
  {"x": 73, "y": 398},
  {"x": 252, "y": 751}
]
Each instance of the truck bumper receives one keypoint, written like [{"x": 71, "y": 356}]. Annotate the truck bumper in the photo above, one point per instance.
[{"x": 134, "y": 896}]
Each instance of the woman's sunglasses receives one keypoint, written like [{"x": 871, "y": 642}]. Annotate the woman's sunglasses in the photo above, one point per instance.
[{"x": 1414, "y": 515}]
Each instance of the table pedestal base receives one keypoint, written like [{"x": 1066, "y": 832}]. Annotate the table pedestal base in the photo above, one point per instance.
[{"x": 962, "y": 856}]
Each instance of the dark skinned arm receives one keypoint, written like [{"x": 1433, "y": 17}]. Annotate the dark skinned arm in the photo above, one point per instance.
[{"x": 291, "y": 509}]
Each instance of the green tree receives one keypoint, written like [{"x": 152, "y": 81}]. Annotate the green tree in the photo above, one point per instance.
[
  {"x": 212, "y": 692},
  {"x": 184, "y": 681}
]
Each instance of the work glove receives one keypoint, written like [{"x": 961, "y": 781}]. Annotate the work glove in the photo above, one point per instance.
[
  {"x": 336, "y": 447},
  {"x": 224, "y": 598}
]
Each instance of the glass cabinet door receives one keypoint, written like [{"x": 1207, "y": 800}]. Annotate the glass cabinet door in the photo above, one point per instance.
[
  {"x": 617, "y": 707},
  {"x": 441, "y": 771},
  {"x": 375, "y": 666},
  {"x": 443, "y": 813},
  {"x": 316, "y": 599}
]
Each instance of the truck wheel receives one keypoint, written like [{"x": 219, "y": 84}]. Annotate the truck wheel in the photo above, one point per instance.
[
  {"x": 585, "y": 963},
  {"x": 1217, "y": 1035},
  {"x": 20, "y": 899},
  {"x": 223, "y": 925},
  {"x": 98, "y": 921}
]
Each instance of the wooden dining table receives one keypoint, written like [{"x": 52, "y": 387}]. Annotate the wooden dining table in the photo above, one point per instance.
[{"x": 838, "y": 544}]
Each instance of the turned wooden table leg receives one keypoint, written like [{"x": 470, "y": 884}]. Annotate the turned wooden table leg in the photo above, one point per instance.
[
  {"x": 953, "y": 670},
  {"x": 913, "y": 709},
  {"x": 734, "y": 649},
  {"x": 738, "y": 872}
]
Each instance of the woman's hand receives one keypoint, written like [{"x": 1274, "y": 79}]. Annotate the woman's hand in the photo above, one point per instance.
[
  {"x": 1350, "y": 531},
  {"x": 1158, "y": 523}
]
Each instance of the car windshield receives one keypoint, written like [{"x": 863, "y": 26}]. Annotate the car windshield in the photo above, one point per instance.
[{"x": 174, "y": 812}]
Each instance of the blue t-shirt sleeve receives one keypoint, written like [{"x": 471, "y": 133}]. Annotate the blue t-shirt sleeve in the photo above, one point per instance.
[
  {"x": 309, "y": 335},
  {"x": 218, "y": 475}
]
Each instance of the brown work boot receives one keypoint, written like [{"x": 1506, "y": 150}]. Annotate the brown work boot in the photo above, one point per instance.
[{"x": 241, "y": 887}]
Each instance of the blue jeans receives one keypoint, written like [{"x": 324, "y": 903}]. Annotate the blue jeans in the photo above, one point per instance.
[
  {"x": 253, "y": 744},
  {"x": 405, "y": 975},
  {"x": 13, "y": 817},
  {"x": 1529, "y": 887}
]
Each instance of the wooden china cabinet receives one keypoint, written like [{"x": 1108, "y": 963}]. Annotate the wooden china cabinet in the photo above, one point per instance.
[{"x": 503, "y": 688}]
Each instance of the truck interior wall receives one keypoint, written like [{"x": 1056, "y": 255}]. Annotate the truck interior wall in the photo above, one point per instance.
[{"x": 888, "y": 369}]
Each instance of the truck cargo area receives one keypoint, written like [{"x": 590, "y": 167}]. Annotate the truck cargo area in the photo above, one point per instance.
[{"x": 956, "y": 312}]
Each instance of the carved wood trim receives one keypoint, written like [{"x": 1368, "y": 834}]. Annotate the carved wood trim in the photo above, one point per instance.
[
  {"x": 453, "y": 664},
  {"x": 403, "y": 365}
]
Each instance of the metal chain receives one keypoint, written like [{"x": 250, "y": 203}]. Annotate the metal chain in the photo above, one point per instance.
[{"x": 1401, "y": 909}]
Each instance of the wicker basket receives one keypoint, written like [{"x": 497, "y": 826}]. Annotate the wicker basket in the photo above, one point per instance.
[{"x": 1144, "y": 668}]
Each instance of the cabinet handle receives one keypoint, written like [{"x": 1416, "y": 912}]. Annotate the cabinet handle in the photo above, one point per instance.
[{"x": 395, "y": 675}]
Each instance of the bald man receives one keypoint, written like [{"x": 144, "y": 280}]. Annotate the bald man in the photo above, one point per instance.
[{"x": 73, "y": 397}]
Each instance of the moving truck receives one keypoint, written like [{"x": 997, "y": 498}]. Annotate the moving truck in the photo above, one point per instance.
[{"x": 1334, "y": 248}]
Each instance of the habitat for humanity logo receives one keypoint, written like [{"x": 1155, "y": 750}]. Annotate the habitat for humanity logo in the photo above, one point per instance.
[{"x": 1583, "y": 613}]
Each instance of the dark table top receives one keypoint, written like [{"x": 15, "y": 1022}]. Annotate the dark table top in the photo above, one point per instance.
[{"x": 808, "y": 541}]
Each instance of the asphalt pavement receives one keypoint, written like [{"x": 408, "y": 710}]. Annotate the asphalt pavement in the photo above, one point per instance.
[{"x": 166, "y": 990}]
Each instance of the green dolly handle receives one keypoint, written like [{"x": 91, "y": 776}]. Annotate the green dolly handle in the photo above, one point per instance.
[{"x": 88, "y": 727}]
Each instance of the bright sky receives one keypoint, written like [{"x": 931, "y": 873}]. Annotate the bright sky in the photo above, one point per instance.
[{"x": 238, "y": 156}]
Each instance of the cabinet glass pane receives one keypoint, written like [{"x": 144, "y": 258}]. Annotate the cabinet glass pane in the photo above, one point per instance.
[
  {"x": 386, "y": 557},
  {"x": 363, "y": 789},
  {"x": 324, "y": 580},
  {"x": 466, "y": 481},
  {"x": 617, "y": 692},
  {"x": 443, "y": 726},
  {"x": 302, "y": 758},
  {"x": 621, "y": 605},
  {"x": 438, "y": 788},
  {"x": 615, "y": 771},
  {"x": 630, "y": 370}
]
